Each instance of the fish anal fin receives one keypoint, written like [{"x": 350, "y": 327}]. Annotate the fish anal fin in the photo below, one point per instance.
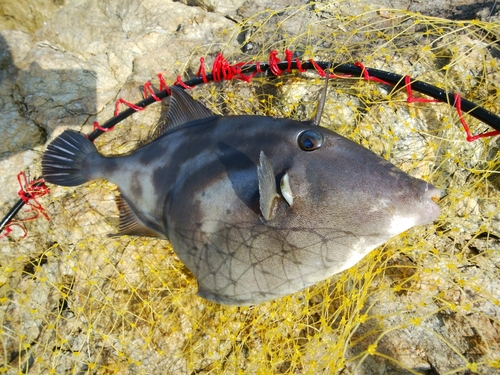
[
  {"x": 268, "y": 196},
  {"x": 131, "y": 224},
  {"x": 183, "y": 108}
]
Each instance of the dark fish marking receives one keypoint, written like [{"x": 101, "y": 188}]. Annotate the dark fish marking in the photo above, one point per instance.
[
  {"x": 135, "y": 183},
  {"x": 242, "y": 172},
  {"x": 160, "y": 179}
]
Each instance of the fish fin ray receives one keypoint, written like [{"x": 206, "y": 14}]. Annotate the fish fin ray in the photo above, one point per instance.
[
  {"x": 162, "y": 125},
  {"x": 183, "y": 108},
  {"x": 268, "y": 196},
  {"x": 63, "y": 161},
  {"x": 131, "y": 224}
]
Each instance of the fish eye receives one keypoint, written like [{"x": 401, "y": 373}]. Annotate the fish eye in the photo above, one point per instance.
[{"x": 310, "y": 140}]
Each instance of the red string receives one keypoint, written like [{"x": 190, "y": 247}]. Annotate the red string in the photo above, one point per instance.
[
  {"x": 149, "y": 89},
  {"x": 368, "y": 77},
  {"x": 179, "y": 82},
  {"x": 128, "y": 104},
  {"x": 257, "y": 67},
  {"x": 470, "y": 137},
  {"x": 29, "y": 192},
  {"x": 8, "y": 230},
  {"x": 318, "y": 68},
  {"x": 163, "y": 84},
  {"x": 99, "y": 127},
  {"x": 411, "y": 98},
  {"x": 322, "y": 72},
  {"x": 217, "y": 67},
  {"x": 201, "y": 70},
  {"x": 288, "y": 56},
  {"x": 223, "y": 70},
  {"x": 299, "y": 65},
  {"x": 273, "y": 63}
]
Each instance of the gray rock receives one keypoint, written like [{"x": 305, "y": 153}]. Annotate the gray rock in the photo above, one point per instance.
[{"x": 19, "y": 133}]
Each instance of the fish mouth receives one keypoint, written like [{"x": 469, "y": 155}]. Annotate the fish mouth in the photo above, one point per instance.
[
  {"x": 432, "y": 197},
  {"x": 433, "y": 193}
]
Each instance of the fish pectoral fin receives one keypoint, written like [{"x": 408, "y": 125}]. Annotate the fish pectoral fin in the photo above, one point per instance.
[
  {"x": 183, "y": 108},
  {"x": 268, "y": 196},
  {"x": 131, "y": 224}
]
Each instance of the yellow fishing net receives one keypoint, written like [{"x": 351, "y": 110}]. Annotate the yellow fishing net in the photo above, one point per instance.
[{"x": 428, "y": 302}]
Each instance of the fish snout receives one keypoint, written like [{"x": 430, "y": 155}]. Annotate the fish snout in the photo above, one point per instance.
[
  {"x": 433, "y": 193},
  {"x": 431, "y": 210}
]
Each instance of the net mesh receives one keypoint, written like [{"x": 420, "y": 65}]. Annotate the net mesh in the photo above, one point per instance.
[{"x": 75, "y": 300}]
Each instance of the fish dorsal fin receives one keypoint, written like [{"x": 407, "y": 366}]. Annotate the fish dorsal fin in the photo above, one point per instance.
[
  {"x": 131, "y": 224},
  {"x": 183, "y": 108},
  {"x": 268, "y": 196}
]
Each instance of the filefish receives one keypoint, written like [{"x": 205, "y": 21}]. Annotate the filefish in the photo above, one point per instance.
[{"x": 256, "y": 207}]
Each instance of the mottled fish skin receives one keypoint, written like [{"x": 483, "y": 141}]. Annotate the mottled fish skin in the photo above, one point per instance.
[{"x": 198, "y": 186}]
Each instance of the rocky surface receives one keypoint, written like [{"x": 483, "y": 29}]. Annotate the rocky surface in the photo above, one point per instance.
[{"x": 74, "y": 300}]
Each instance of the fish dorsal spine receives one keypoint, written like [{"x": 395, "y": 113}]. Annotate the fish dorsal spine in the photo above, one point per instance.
[
  {"x": 321, "y": 104},
  {"x": 268, "y": 196}
]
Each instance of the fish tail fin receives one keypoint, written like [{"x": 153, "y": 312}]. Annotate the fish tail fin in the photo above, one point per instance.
[{"x": 65, "y": 161}]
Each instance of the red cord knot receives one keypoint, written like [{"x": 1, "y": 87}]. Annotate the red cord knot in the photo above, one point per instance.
[
  {"x": 221, "y": 69},
  {"x": 273, "y": 63},
  {"x": 29, "y": 191}
]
